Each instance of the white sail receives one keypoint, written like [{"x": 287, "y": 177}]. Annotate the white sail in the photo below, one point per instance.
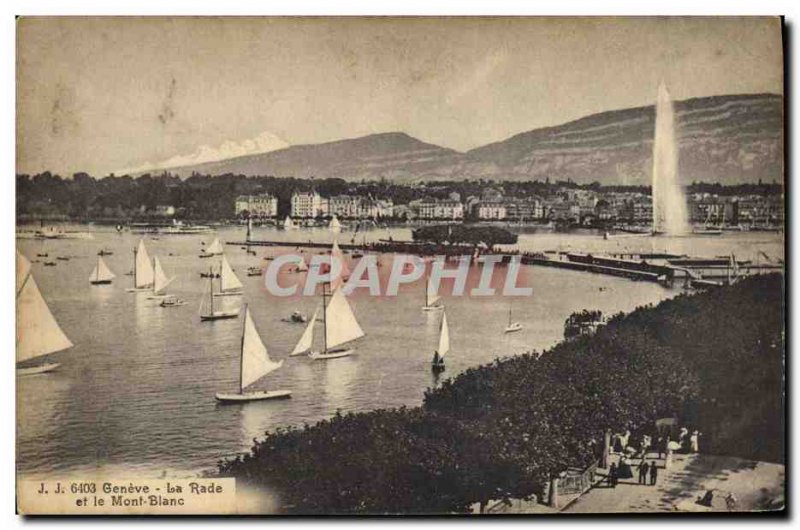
[
  {"x": 161, "y": 281},
  {"x": 287, "y": 223},
  {"x": 255, "y": 359},
  {"x": 335, "y": 226},
  {"x": 101, "y": 272},
  {"x": 38, "y": 333},
  {"x": 215, "y": 248},
  {"x": 302, "y": 266},
  {"x": 444, "y": 337},
  {"x": 336, "y": 253},
  {"x": 307, "y": 338},
  {"x": 340, "y": 323},
  {"x": 144, "y": 276},
  {"x": 431, "y": 295},
  {"x": 23, "y": 269},
  {"x": 229, "y": 280}
]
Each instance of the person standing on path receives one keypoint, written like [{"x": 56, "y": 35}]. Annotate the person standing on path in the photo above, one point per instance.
[
  {"x": 643, "y": 468},
  {"x": 695, "y": 442},
  {"x": 612, "y": 475},
  {"x": 653, "y": 473}
]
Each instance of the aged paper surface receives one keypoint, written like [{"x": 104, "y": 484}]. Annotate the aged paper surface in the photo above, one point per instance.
[{"x": 399, "y": 265}]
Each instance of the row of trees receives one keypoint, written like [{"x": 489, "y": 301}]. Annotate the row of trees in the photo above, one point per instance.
[
  {"x": 715, "y": 360},
  {"x": 83, "y": 197},
  {"x": 475, "y": 236}
]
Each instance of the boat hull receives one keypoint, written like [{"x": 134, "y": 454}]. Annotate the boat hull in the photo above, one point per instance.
[
  {"x": 437, "y": 368},
  {"x": 431, "y": 308},
  {"x": 253, "y": 396},
  {"x": 139, "y": 290},
  {"x": 331, "y": 354},
  {"x": 100, "y": 282},
  {"x": 513, "y": 328},
  {"x": 41, "y": 369},
  {"x": 219, "y": 316}
]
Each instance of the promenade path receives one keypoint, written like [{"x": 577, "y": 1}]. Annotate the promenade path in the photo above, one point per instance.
[{"x": 756, "y": 486}]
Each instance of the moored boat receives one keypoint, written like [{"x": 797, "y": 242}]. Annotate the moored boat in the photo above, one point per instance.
[
  {"x": 229, "y": 284},
  {"x": 171, "y": 300},
  {"x": 101, "y": 275},
  {"x": 160, "y": 281},
  {"x": 340, "y": 327},
  {"x": 210, "y": 312},
  {"x": 38, "y": 332},
  {"x": 254, "y": 364},
  {"x": 431, "y": 298},
  {"x": 512, "y": 326},
  {"x": 214, "y": 249},
  {"x": 437, "y": 363},
  {"x": 143, "y": 272}
]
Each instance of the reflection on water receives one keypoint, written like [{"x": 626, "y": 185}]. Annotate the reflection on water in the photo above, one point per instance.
[
  {"x": 339, "y": 381},
  {"x": 136, "y": 393}
]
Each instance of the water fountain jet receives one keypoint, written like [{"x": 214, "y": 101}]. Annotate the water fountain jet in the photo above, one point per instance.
[{"x": 670, "y": 213}]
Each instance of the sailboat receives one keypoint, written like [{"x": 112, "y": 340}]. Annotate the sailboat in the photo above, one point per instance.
[
  {"x": 512, "y": 326},
  {"x": 214, "y": 249},
  {"x": 431, "y": 297},
  {"x": 143, "y": 273},
  {"x": 254, "y": 364},
  {"x": 340, "y": 327},
  {"x": 101, "y": 275},
  {"x": 229, "y": 284},
  {"x": 302, "y": 266},
  {"x": 208, "y": 303},
  {"x": 344, "y": 275},
  {"x": 437, "y": 364},
  {"x": 307, "y": 338},
  {"x": 335, "y": 226},
  {"x": 38, "y": 333},
  {"x": 160, "y": 281},
  {"x": 288, "y": 224}
]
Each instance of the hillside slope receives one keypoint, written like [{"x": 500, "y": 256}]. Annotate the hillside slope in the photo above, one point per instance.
[{"x": 727, "y": 139}]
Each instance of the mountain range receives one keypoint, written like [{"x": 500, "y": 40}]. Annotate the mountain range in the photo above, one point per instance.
[{"x": 727, "y": 139}]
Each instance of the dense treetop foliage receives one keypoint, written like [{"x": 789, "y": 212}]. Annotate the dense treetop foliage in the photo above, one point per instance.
[
  {"x": 206, "y": 197},
  {"x": 714, "y": 360},
  {"x": 457, "y": 234}
]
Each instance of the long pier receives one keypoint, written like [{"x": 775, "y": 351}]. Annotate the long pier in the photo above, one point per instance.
[{"x": 609, "y": 266}]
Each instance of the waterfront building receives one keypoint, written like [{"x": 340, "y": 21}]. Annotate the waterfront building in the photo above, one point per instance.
[
  {"x": 529, "y": 208},
  {"x": 259, "y": 206},
  {"x": 642, "y": 209},
  {"x": 308, "y": 205},
  {"x": 344, "y": 206},
  {"x": 439, "y": 209},
  {"x": 491, "y": 210}
]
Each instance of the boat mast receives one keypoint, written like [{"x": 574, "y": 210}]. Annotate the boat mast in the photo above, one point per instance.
[
  {"x": 509, "y": 313},
  {"x": 324, "y": 320},
  {"x": 135, "y": 272},
  {"x": 241, "y": 350},
  {"x": 211, "y": 288},
  {"x": 427, "y": 280}
]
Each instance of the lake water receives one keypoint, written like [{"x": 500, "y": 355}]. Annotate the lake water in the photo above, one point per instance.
[{"x": 135, "y": 395}]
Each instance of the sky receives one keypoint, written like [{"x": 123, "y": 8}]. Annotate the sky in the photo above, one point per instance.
[{"x": 107, "y": 95}]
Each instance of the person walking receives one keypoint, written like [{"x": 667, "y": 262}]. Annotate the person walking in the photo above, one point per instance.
[
  {"x": 612, "y": 475},
  {"x": 653, "y": 473},
  {"x": 643, "y": 468},
  {"x": 695, "y": 442}
]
